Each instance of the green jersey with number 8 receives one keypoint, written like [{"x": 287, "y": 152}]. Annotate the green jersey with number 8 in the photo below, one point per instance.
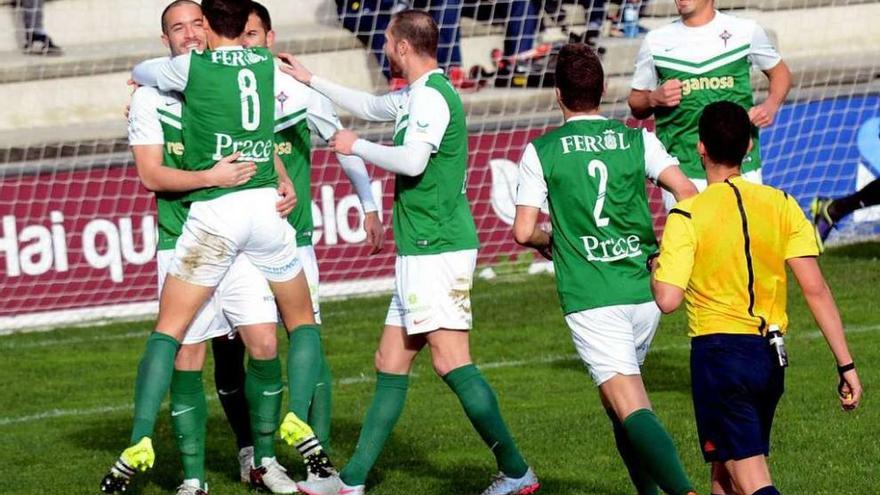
[
  {"x": 230, "y": 100},
  {"x": 592, "y": 171}
]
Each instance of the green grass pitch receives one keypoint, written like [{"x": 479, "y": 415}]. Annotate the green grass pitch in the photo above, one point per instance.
[{"x": 65, "y": 403}]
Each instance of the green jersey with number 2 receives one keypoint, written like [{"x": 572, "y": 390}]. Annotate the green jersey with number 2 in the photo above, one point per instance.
[{"x": 602, "y": 228}]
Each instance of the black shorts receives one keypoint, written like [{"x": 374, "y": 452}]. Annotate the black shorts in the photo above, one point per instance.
[{"x": 736, "y": 383}]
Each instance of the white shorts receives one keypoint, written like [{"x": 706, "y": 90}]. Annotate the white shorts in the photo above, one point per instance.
[
  {"x": 239, "y": 222},
  {"x": 669, "y": 200},
  {"x": 433, "y": 291},
  {"x": 309, "y": 260},
  {"x": 614, "y": 339},
  {"x": 242, "y": 298}
]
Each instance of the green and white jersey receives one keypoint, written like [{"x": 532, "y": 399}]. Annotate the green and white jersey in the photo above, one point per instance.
[
  {"x": 431, "y": 211},
  {"x": 155, "y": 119},
  {"x": 713, "y": 63},
  {"x": 230, "y": 96},
  {"x": 299, "y": 111},
  {"x": 591, "y": 172}
]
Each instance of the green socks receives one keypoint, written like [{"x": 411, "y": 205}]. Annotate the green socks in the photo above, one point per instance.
[
  {"x": 189, "y": 417},
  {"x": 382, "y": 416},
  {"x": 153, "y": 380},
  {"x": 481, "y": 407},
  {"x": 304, "y": 362},
  {"x": 263, "y": 388},
  {"x": 643, "y": 483},
  {"x": 653, "y": 446},
  {"x": 322, "y": 405}
]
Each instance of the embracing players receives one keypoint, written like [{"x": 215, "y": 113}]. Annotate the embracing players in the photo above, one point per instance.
[{"x": 229, "y": 94}]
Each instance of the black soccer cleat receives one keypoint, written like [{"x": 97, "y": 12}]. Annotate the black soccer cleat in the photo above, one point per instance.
[{"x": 118, "y": 479}]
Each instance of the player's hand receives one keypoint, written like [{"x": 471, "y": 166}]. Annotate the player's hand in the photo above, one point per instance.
[
  {"x": 230, "y": 173},
  {"x": 849, "y": 390},
  {"x": 375, "y": 232},
  {"x": 667, "y": 95},
  {"x": 288, "y": 198},
  {"x": 134, "y": 87},
  {"x": 762, "y": 115},
  {"x": 295, "y": 69},
  {"x": 547, "y": 250},
  {"x": 343, "y": 141}
]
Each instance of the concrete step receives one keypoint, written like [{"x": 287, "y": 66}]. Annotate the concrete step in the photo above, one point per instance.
[{"x": 102, "y": 22}]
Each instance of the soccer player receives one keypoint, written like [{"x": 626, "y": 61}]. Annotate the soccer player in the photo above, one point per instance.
[
  {"x": 724, "y": 252},
  {"x": 229, "y": 94},
  {"x": 828, "y": 211},
  {"x": 702, "y": 57},
  {"x": 592, "y": 171},
  {"x": 437, "y": 250},
  {"x": 243, "y": 295},
  {"x": 299, "y": 111}
]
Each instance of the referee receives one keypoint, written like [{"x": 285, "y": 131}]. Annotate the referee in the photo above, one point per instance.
[{"x": 724, "y": 251}]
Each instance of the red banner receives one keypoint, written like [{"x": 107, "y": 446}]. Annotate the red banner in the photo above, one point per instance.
[{"x": 86, "y": 238}]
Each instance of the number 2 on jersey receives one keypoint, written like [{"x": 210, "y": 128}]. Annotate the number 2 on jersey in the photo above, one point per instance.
[
  {"x": 250, "y": 100},
  {"x": 594, "y": 168}
]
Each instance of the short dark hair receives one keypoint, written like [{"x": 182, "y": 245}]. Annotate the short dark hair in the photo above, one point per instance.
[
  {"x": 579, "y": 77},
  {"x": 263, "y": 13},
  {"x": 725, "y": 130},
  {"x": 227, "y": 18},
  {"x": 418, "y": 28},
  {"x": 175, "y": 3}
]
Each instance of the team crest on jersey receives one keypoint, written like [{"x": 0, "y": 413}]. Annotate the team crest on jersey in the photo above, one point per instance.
[
  {"x": 610, "y": 140},
  {"x": 725, "y": 36},
  {"x": 281, "y": 99}
]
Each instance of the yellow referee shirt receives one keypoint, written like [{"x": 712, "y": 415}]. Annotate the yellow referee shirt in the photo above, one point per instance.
[{"x": 726, "y": 247}]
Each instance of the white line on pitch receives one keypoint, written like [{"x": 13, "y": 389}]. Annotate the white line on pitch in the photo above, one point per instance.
[{"x": 365, "y": 378}]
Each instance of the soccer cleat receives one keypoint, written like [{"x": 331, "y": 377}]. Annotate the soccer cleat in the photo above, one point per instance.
[
  {"x": 505, "y": 485},
  {"x": 245, "y": 463},
  {"x": 191, "y": 489},
  {"x": 332, "y": 485},
  {"x": 297, "y": 433},
  {"x": 271, "y": 477},
  {"x": 822, "y": 221},
  {"x": 138, "y": 457}
]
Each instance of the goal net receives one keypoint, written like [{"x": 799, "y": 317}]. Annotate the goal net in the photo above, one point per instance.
[{"x": 78, "y": 231}]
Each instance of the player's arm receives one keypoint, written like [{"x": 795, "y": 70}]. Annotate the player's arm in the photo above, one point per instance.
[
  {"x": 167, "y": 74},
  {"x": 428, "y": 120},
  {"x": 662, "y": 168},
  {"x": 800, "y": 253},
  {"x": 645, "y": 95},
  {"x": 156, "y": 177},
  {"x": 671, "y": 270},
  {"x": 359, "y": 103},
  {"x": 531, "y": 193},
  {"x": 324, "y": 121},
  {"x": 764, "y": 56}
]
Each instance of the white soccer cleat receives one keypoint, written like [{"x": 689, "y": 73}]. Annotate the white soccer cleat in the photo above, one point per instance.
[
  {"x": 505, "y": 485},
  {"x": 245, "y": 463},
  {"x": 271, "y": 477},
  {"x": 191, "y": 487},
  {"x": 332, "y": 485}
]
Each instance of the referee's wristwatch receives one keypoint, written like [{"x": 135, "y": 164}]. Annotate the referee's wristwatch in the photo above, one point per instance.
[{"x": 840, "y": 371}]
